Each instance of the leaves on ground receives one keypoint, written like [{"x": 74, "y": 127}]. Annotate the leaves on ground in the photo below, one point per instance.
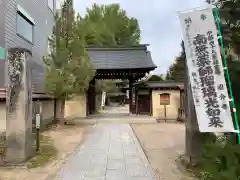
[{"x": 46, "y": 153}]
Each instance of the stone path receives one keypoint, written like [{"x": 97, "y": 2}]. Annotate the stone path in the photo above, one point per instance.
[
  {"x": 111, "y": 152},
  {"x": 117, "y": 114}
]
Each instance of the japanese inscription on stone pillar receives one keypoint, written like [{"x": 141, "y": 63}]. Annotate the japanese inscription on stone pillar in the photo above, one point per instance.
[{"x": 206, "y": 73}]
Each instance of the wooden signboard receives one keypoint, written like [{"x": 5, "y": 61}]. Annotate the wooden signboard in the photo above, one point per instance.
[{"x": 164, "y": 99}]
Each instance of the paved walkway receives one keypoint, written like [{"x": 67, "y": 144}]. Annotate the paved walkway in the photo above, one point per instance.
[
  {"x": 111, "y": 152},
  {"x": 117, "y": 114},
  {"x": 113, "y": 111}
]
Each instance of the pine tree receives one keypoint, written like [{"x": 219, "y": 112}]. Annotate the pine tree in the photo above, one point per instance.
[
  {"x": 68, "y": 67},
  {"x": 156, "y": 78},
  {"x": 176, "y": 71}
]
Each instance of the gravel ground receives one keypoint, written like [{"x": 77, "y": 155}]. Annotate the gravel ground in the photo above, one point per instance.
[
  {"x": 65, "y": 139},
  {"x": 163, "y": 143}
]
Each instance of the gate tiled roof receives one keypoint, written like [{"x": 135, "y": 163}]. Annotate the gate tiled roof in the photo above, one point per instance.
[{"x": 134, "y": 57}]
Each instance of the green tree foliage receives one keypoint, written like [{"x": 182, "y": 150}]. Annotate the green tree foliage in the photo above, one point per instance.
[
  {"x": 109, "y": 25},
  {"x": 176, "y": 71},
  {"x": 234, "y": 71},
  {"x": 169, "y": 73},
  {"x": 230, "y": 13},
  {"x": 106, "y": 85},
  {"x": 68, "y": 68},
  {"x": 156, "y": 78},
  {"x": 220, "y": 158},
  {"x": 230, "y": 26}
]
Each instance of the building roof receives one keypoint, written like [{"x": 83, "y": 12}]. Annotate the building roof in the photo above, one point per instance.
[
  {"x": 116, "y": 94},
  {"x": 181, "y": 86},
  {"x": 161, "y": 84},
  {"x": 125, "y": 87},
  {"x": 38, "y": 84},
  {"x": 134, "y": 57},
  {"x": 34, "y": 95}
]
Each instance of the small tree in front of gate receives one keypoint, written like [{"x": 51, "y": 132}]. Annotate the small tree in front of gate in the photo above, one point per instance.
[{"x": 68, "y": 69}]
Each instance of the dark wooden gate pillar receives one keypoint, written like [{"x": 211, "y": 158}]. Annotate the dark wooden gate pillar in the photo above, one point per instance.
[
  {"x": 137, "y": 101},
  {"x": 130, "y": 95},
  {"x": 91, "y": 102},
  {"x": 132, "y": 99}
]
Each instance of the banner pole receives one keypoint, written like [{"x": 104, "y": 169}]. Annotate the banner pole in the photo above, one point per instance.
[{"x": 216, "y": 15}]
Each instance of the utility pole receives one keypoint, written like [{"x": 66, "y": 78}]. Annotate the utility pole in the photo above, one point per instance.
[{"x": 192, "y": 135}]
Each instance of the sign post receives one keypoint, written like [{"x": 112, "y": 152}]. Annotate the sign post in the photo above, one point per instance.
[
  {"x": 165, "y": 100},
  {"x": 38, "y": 122}
]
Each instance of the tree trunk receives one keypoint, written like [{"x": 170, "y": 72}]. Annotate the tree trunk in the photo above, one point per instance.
[
  {"x": 62, "y": 111},
  {"x": 192, "y": 134}
]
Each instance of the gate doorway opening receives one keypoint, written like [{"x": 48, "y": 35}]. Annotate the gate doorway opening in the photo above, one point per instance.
[{"x": 119, "y": 63}]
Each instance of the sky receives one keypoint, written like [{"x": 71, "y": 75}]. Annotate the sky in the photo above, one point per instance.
[{"x": 159, "y": 24}]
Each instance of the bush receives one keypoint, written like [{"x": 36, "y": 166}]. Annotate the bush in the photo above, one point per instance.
[
  {"x": 220, "y": 159},
  {"x": 238, "y": 109}
]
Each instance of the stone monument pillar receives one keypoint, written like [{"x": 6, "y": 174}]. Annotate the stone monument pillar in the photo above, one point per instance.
[{"x": 19, "y": 137}]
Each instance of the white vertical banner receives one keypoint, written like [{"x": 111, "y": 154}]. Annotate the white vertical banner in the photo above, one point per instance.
[
  {"x": 127, "y": 94},
  {"x": 103, "y": 98},
  {"x": 206, "y": 73}
]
